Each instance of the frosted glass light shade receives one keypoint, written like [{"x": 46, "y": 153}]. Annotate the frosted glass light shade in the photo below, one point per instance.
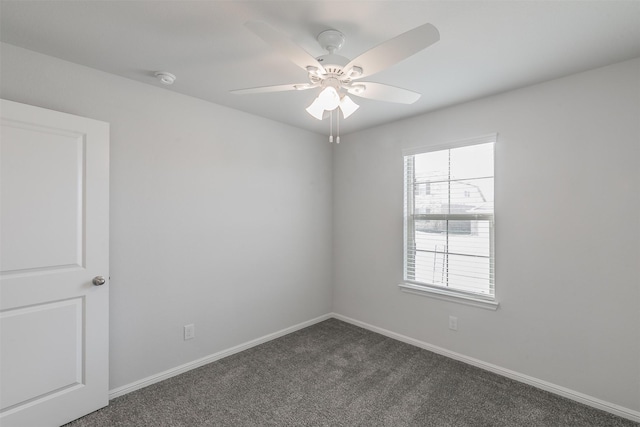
[
  {"x": 316, "y": 109},
  {"x": 347, "y": 106},
  {"x": 329, "y": 100}
]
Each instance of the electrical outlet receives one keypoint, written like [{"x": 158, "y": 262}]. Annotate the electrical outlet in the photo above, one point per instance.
[
  {"x": 189, "y": 331},
  {"x": 453, "y": 323}
]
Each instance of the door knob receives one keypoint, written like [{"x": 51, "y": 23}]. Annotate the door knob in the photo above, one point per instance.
[{"x": 99, "y": 281}]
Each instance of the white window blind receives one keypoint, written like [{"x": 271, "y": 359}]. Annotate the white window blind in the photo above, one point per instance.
[{"x": 449, "y": 220}]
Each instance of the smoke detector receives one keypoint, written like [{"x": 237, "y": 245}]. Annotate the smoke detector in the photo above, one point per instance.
[{"x": 165, "y": 78}]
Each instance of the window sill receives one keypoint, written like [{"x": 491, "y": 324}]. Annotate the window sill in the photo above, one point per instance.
[{"x": 445, "y": 295}]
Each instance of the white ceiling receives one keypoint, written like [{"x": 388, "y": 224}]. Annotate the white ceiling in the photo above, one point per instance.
[{"x": 486, "y": 47}]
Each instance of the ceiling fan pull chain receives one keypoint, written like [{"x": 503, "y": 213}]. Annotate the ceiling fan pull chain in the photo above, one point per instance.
[
  {"x": 337, "y": 127},
  {"x": 330, "y": 126}
]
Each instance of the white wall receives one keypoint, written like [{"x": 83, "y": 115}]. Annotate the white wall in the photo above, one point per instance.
[
  {"x": 567, "y": 232},
  {"x": 218, "y": 218}
]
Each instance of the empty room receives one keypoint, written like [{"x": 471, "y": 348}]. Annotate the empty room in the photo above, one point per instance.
[{"x": 319, "y": 213}]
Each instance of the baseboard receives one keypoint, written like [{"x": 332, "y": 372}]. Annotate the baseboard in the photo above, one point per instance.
[
  {"x": 128, "y": 388},
  {"x": 544, "y": 385}
]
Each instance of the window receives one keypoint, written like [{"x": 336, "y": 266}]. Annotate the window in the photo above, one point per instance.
[{"x": 449, "y": 229}]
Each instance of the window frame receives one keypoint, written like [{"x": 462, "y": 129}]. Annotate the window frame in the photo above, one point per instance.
[{"x": 432, "y": 290}]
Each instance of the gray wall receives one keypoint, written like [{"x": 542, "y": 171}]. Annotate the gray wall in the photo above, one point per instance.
[
  {"x": 567, "y": 232},
  {"x": 225, "y": 220},
  {"x": 218, "y": 218}
]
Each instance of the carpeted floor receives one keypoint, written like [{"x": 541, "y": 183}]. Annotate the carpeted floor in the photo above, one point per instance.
[{"x": 336, "y": 374}]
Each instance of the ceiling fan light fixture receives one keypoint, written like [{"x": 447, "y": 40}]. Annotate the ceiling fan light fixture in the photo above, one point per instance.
[
  {"x": 329, "y": 98},
  {"x": 316, "y": 109},
  {"x": 347, "y": 106}
]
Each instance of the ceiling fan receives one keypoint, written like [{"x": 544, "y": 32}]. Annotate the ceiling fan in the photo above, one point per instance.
[{"x": 336, "y": 75}]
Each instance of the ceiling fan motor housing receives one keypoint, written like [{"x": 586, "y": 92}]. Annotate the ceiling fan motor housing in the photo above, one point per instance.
[
  {"x": 333, "y": 64},
  {"x": 334, "y": 69}
]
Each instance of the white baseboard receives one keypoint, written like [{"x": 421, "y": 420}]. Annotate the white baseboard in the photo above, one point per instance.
[
  {"x": 544, "y": 385},
  {"x": 128, "y": 388}
]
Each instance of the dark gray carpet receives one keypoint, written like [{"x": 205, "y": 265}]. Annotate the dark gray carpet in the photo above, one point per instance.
[{"x": 336, "y": 374}]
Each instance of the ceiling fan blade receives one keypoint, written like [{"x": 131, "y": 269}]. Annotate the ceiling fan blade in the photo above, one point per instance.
[
  {"x": 278, "y": 88},
  {"x": 382, "y": 92},
  {"x": 284, "y": 45},
  {"x": 394, "y": 50}
]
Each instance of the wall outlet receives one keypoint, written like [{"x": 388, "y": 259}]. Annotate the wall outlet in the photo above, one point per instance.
[
  {"x": 189, "y": 331},
  {"x": 453, "y": 323}
]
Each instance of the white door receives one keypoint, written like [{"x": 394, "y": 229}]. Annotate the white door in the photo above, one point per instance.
[{"x": 54, "y": 237}]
